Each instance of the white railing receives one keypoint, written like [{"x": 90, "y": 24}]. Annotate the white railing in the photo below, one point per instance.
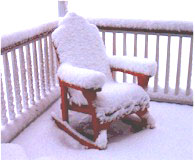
[
  {"x": 140, "y": 38},
  {"x": 28, "y": 83}
]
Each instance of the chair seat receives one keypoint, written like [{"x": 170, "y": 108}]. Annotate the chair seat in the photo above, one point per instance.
[{"x": 115, "y": 100}]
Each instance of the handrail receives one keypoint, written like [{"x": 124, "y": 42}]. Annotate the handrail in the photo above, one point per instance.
[
  {"x": 145, "y": 26},
  {"x": 16, "y": 39}
]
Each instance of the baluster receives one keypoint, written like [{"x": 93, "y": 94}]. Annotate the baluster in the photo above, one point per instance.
[
  {"x": 114, "y": 43},
  {"x": 41, "y": 68},
  {"x": 17, "y": 89},
  {"x": 46, "y": 64},
  {"x": 124, "y": 53},
  {"x": 103, "y": 37},
  {"x": 4, "y": 119},
  {"x": 56, "y": 64},
  {"x": 135, "y": 52},
  {"x": 8, "y": 85},
  {"x": 23, "y": 78},
  {"x": 37, "y": 90},
  {"x": 51, "y": 61},
  {"x": 114, "y": 51},
  {"x": 178, "y": 67},
  {"x": 166, "y": 90},
  {"x": 146, "y": 46},
  {"x": 157, "y": 61},
  {"x": 189, "y": 69},
  {"x": 29, "y": 73}
]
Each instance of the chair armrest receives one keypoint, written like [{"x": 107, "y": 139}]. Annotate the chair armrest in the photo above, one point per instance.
[
  {"x": 133, "y": 65},
  {"x": 79, "y": 78}
]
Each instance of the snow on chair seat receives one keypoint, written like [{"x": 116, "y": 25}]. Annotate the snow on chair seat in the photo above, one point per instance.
[
  {"x": 115, "y": 100},
  {"x": 87, "y": 85}
]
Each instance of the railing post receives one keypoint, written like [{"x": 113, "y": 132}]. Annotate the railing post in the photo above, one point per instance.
[{"x": 62, "y": 8}]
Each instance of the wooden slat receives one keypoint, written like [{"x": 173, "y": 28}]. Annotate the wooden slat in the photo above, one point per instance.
[
  {"x": 17, "y": 89},
  {"x": 103, "y": 37},
  {"x": 35, "y": 69},
  {"x": 114, "y": 43},
  {"x": 29, "y": 74},
  {"x": 23, "y": 78},
  {"x": 41, "y": 68},
  {"x": 46, "y": 64},
  {"x": 157, "y": 61},
  {"x": 145, "y": 30},
  {"x": 146, "y": 46},
  {"x": 51, "y": 63},
  {"x": 114, "y": 52},
  {"x": 8, "y": 86},
  {"x": 135, "y": 52},
  {"x": 178, "y": 67},
  {"x": 4, "y": 118},
  {"x": 189, "y": 69},
  {"x": 166, "y": 89},
  {"x": 124, "y": 52}
]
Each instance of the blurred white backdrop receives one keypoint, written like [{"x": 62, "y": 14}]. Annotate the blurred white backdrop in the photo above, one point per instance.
[{"x": 19, "y": 14}]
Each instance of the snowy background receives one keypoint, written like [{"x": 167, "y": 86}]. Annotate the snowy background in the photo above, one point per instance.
[{"x": 18, "y": 14}]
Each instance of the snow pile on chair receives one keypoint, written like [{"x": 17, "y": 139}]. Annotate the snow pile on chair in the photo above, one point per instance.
[
  {"x": 85, "y": 78},
  {"x": 134, "y": 64}
]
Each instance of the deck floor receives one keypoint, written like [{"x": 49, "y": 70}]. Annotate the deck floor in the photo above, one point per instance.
[{"x": 171, "y": 139}]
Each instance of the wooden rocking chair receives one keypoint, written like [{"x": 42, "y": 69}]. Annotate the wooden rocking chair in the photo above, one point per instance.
[{"x": 87, "y": 86}]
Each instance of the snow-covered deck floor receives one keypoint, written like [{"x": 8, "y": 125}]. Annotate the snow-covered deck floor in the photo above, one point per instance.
[{"x": 171, "y": 139}]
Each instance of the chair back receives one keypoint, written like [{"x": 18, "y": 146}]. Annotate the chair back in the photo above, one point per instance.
[{"x": 79, "y": 43}]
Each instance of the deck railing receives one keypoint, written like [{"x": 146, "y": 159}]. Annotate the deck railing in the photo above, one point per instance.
[
  {"x": 28, "y": 77},
  {"x": 172, "y": 82}
]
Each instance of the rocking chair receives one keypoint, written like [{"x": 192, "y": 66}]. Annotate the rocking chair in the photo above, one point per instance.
[{"x": 87, "y": 86}]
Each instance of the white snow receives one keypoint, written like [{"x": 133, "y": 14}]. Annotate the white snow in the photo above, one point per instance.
[
  {"x": 85, "y": 78},
  {"x": 10, "y": 151},
  {"x": 118, "y": 99},
  {"x": 134, "y": 64},
  {"x": 79, "y": 44},
  {"x": 172, "y": 139},
  {"x": 102, "y": 140},
  {"x": 14, "y": 37},
  {"x": 144, "y": 24},
  {"x": 13, "y": 127}
]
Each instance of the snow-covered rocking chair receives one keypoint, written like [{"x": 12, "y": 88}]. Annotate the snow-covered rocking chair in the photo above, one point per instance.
[{"x": 87, "y": 86}]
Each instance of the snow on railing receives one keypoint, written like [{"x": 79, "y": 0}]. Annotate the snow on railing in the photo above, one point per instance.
[
  {"x": 28, "y": 83},
  {"x": 146, "y": 36}
]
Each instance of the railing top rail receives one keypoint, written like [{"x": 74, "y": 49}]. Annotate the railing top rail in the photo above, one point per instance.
[
  {"x": 184, "y": 28},
  {"x": 145, "y": 26},
  {"x": 13, "y": 40}
]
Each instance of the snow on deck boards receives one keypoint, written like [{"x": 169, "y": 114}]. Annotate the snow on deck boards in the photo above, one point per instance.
[{"x": 171, "y": 139}]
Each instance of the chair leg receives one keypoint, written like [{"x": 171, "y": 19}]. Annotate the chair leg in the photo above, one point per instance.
[
  {"x": 147, "y": 119},
  {"x": 64, "y": 102},
  {"x": 96, "y": 126}
]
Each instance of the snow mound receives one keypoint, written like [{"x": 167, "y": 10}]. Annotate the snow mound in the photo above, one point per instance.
[{"x": 134, "y": 64}]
